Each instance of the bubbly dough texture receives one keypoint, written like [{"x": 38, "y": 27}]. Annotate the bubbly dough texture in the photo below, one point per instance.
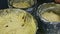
[
  {"x": 50, "y": 16},
  {"x": 16, "y": 21}
]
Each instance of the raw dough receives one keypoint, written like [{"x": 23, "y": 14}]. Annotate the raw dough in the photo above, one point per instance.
[{"x": 16, "y": 21}]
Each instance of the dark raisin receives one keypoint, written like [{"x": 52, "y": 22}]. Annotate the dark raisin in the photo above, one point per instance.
[
  {"x": 6, "y": 26},
  {"x": 23, "y": 17},
  {"x": 22, "y": 25}
]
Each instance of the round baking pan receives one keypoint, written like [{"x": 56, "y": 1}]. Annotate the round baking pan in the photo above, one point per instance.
[
  {"x": 50, "y": 27},
  {"x": 12, "y": 3}
]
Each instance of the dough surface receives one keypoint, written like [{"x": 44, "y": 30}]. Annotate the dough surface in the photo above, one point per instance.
[
  {"x": 21, "y": 5},
  {"x": 51, "y": 16},
  {"x": 16, "y": 21}
]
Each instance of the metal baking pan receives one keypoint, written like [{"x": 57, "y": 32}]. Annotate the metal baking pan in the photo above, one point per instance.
[{"x": 49, "y": 27}]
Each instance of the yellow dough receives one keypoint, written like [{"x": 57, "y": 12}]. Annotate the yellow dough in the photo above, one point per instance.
[
  {"x": 16, "y": 21},
  {"x": 21, "y": 5},
  {"x": 50, "y": 16}
]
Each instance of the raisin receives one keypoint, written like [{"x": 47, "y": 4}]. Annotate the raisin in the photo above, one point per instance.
[{"x": 6, "y": 26}]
